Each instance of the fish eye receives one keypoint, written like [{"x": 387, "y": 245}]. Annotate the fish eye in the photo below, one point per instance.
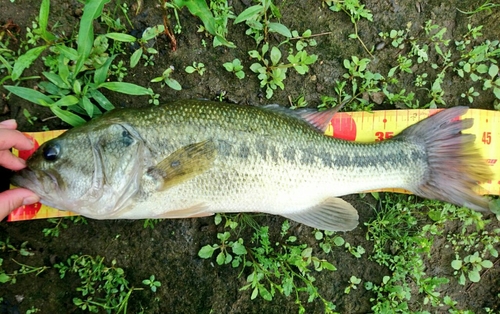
[{"x": 51, "y": 151}]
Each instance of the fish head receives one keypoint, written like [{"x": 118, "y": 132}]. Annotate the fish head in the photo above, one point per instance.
[{"x": 93, "y": 170}]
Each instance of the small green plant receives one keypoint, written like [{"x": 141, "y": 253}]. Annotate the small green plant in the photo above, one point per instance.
[
  {"x": 30, "y": 118},
  {"x": 152, "y": 283},
  {"x": 101, "y": 287},
  {"x": 486, "y": 6},
  {"x": 235, "y": 67},
  {"x": 272, "y": 72},
  {"x": 151, "y": 223},
  {"x": 353, "y": 284},
  {"x": 470, "y": 265},
  {"x": 76, "y": 75},
  {"x": 196, "y": 67},
  {"x": 259, "y": 19},
  {"x": 356, "y": 11},
  {"x": 61, "y": 223},
  {"x": 165, "y": 78},
  {"x": 283, "y": 266},
  {"x": 32, "y": 310},
  {"x": 119, "y": 71},
  {"x": 23, "y": 250},
  {"x": 215, "y": 18}
]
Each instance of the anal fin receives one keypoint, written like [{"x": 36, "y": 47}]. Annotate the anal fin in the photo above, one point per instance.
[{"x": 333, "y": 214}]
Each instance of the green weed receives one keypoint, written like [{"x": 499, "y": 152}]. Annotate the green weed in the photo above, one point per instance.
[
  {"x": 76, "y": 75},
  {"x": 283, "y": 266},
  {"x": 169, "y": 81},
  {"x": 102, "y": 288},
  {"x": 23, "y": 250}
]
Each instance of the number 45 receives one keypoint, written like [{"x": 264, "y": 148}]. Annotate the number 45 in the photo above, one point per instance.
[{"x": 487, "y": 138}]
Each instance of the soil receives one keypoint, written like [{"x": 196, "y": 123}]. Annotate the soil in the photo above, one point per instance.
[{"x": 170, "y": 250}]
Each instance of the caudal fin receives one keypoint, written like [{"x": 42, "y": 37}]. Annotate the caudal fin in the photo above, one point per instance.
[{"x": 455, "y": 164}]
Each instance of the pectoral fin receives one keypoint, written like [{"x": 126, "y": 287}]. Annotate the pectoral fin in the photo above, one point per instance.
[
  {"x": 333, "y": 214},
  {"x": 185, "y": 163}
]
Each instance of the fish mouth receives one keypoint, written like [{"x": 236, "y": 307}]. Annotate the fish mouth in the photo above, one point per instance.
[{"x": 27, "y": 178}]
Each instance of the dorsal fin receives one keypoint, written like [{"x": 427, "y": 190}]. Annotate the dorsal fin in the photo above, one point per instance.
[{"x": 318, "y": 119}]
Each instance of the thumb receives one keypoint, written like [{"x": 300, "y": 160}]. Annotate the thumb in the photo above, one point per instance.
[{"x": 12, "y": 199}]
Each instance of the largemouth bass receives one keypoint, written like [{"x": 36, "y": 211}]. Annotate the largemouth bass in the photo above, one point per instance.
[{"x": 196, "y": 158}]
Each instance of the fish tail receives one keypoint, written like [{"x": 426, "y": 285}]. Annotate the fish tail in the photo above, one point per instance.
[{"x": 455, "y": 166}]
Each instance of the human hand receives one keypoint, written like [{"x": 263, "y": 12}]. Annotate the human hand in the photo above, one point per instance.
[{"x": 10, "y": 137}]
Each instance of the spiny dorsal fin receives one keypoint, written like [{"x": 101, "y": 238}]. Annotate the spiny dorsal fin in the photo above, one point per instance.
[
  {"x": 186, "y": 163},
  {"x": 333, "y": 214},
  {"x": 318, "y": 119}
]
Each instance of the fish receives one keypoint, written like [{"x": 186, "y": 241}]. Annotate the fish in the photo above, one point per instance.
[{"x": 194, "y": 158}]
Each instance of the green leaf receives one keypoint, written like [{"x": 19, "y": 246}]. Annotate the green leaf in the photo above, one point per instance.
[
  {"x": 221, "y": 257},
  {"x": 68, "y": 52},
  {"x": 91, "y": 11},
  {"x": 56, "y": 80},
  {"x": 43, "y": 19},
  {"x": 482, "y": 68},
  {"x": 126, "y": 88},
  {"x": 101, "y": 74},
  {"x": 228, "y": 66},
  {"x": 239, "y": 249},
  {"x": 189, "y": 69},
  {"x": 220, "y": 40},
  {"x": 206, "y": 252},
  {"x": 249, "y": 13},
  {"x": 68, "y": 117},
  {"x": 121, "y": 37},
  {"x": 87, "y": 106},
  {"x": 29, "y": 94},
  {"x": 255, "y": 293},
  {"x": 496, "y": 91},
  {"x": 280, "y": 29},
  {"x": 328, "y": 266},
  {"x": 66, "y": 101},
  {"x": 474, "y": 276},
  {"x": 486, "y": 263},
  {"x": 265, "y": 294},
  {"x": 4, "y": 278},
  {"x": 101, "y": 99},
  {"x": 493, "y": 70},
  {"x": 456, "y": 264},
  {"x": 240, "y": 75},
  {"x": 275, "y": 55},
  {"x": 136, "y": 56},
  {"x": 25, "y": 61},
  {"x": 200, "y": 9},
  {"x": 173, "y": 84},
  {"x": 152, "y": 32}
]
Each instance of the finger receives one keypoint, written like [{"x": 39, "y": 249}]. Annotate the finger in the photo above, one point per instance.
[
  {"x": 13, "y": 138},
  {"x": 9, "y": 161},
  {"x": 9, "y": 124},
  {"x": 12, "y": 199}
]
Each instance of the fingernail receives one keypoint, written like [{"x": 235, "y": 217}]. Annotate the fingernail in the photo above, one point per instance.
[
  {"x": 10, "y": 122},
  {"x": 31, "y": 200}
]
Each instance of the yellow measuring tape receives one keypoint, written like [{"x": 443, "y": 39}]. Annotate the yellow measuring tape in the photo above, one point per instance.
[{"x": 354, "y": 126}]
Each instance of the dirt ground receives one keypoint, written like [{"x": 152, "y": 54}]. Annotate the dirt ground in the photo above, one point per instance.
[{"x": 170, "y": 250}]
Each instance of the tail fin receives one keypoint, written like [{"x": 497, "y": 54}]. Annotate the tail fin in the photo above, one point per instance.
[{"x": 455, "y": 164}]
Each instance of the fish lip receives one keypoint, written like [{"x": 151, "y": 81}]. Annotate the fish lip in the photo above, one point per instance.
[
  {"x": 28, "y": 179},
  {"x": 24, "y": 178}
]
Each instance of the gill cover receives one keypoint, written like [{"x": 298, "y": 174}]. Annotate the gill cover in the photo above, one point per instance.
[{"x": 119, "y": 157}]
